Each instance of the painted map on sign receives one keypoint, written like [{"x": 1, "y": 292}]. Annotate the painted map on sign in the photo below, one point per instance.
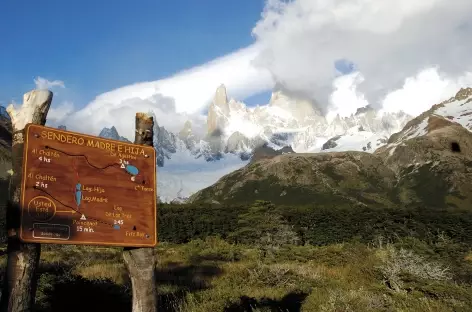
[{"x": 80, "y": 189}]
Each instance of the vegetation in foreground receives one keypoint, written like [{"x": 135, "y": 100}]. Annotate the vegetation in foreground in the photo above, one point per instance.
[
  {"x": 214, "y": 275},
  {"x": 267, "y": 258}
]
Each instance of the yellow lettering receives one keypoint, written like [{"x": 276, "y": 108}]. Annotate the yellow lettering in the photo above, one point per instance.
[
  {"x": 90, "y": 143},
  {"x": 101, "y": 145},
  {"x": 95, "y": 199},
  {"x": 85, "y": 223},
  {"x": 142, "y": 188},
  {"x": 113, "y": 214},
  {"x": 41, "y": 203},
  {"x": 45, "y": 177},
  {"x": 61, "y": 137},
  {"x": 49, "y": 153},
  {"x": 126, "y": 156},
  {"x": 41, "y": 209}
]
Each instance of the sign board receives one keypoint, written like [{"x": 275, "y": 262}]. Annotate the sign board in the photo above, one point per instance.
[{"x": 80, "y": 189}]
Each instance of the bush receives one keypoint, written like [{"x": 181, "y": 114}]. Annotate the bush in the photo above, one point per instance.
[{"x": 399, "y": 262}]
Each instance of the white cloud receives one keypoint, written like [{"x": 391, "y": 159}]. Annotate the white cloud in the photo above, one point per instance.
[
  {"x": 417, "y": 94},
  {"x": 105, "y": 112},
  {"x": 397, "y": 46},
  {"x": 408, "y": 55},
  {"x": 59, "y": 113},
  {"x": 346, "y": 99},
  {"x": 421, "y": 91},
  {"x": 388, "y": 40},
  {"x": 43, "y": 83},
  {"x": 174, "y": 99}
]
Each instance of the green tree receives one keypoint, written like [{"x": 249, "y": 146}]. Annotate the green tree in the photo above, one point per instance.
[{"x": 263, "y": 226}]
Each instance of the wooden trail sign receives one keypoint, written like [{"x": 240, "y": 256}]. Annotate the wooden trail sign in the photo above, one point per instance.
[{"x": 80, "y": 189}]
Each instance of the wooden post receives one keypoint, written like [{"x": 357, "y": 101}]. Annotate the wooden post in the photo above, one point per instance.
[
  {"x": 23, "y": 259},
  {"x": 140, "y": 262}
]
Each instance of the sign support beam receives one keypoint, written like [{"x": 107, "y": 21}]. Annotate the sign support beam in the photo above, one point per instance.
[{"x": 141, "y": 262}]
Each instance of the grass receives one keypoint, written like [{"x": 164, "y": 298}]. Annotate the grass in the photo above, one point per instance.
[{"x": 214, "y": 275}]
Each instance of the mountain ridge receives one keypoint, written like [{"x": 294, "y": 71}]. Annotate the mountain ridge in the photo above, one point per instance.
[
  {"x": 234, "y": 128},
  {"x": 427, "y": 161},
  {"x": 235, "y": 131}
]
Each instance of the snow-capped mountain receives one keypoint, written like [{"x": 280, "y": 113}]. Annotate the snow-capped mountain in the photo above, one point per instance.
[
  {"x": 189, "y": 162},
  {"x": 457, "y": 109},
  {"x": 426, "y": 164},
  {"x": 235, "y": 128}
]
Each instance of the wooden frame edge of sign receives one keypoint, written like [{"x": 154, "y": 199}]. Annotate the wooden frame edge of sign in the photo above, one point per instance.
[{"x": 23, "y": 178}]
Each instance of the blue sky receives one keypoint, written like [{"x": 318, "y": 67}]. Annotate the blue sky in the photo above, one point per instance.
[{"x": 96, "y": 46}]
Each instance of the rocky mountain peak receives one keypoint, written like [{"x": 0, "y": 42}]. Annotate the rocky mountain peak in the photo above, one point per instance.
[
  {"x": 109, "y": 132},
  {"x": 464, "y": 93},
  {"x": 3, "y": 112},
  {"x": 186, "y": 130},
  {"x": 365, "y": 109},
  {"x": 298, "y": 107},
  {"x": 218, "y": 112},
  {"x": 266, "y": 152},
  {"x": 426, "y": 164},
  {"x": 187, "y": 136},
  {"x": 237, "y": 142},
  {"x": 112, "y": 133},
  {"x": 276, "y": 96},
  {"x": 221, "y": 96}
]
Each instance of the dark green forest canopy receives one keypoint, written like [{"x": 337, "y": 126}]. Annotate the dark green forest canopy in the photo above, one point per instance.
[{"x": 317, "y": 225}]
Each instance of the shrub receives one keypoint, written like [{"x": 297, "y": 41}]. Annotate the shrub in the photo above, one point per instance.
[{"x": 398, "y": 262}]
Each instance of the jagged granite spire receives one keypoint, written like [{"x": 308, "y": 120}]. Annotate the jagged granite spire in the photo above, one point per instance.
[
  {"x": 218, "y": 112},
  {"x": 112, "y": 133}
]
